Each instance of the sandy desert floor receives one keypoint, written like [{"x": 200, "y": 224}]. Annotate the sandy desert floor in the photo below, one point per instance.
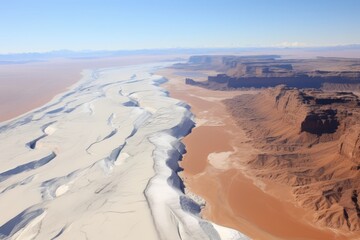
[{"x": 214, "y": 169}]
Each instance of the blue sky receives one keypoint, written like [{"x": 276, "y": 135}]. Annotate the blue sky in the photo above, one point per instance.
[{"x": 45, "y": 25}]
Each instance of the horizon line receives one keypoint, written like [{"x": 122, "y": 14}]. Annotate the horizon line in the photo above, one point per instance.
[{"x": 178, "y": 48}]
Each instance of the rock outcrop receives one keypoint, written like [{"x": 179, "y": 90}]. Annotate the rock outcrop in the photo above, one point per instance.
[
  {"x": 310, "y": 141},
  {"x": 320, "y": 122}
]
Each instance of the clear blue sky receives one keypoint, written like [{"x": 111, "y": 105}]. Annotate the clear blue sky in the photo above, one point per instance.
[{"x": 44, "y": 25}]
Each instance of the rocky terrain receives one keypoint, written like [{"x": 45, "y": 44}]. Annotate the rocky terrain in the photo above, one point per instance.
[
  {"x": 270, "y": 70},
  {"x": 309, "y": 140}
]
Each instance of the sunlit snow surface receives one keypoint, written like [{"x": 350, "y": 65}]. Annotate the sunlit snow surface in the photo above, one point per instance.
[{"x": 99, "y": 162}]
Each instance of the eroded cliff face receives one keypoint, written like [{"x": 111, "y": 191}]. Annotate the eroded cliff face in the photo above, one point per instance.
[
  {"x": 309, "y": 140},
  {"x": 270, "y": 70}
]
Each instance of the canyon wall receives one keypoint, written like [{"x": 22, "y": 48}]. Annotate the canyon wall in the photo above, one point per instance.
[{"x": 310, "y": 141}]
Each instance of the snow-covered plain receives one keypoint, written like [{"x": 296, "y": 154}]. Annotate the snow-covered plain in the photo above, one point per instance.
[{"x": 99, "y": 162}]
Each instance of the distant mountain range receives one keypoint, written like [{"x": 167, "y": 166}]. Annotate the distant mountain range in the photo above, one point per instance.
[{"x": 88, "y": 54}]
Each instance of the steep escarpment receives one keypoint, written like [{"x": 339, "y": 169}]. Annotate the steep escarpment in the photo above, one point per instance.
[
  {"x": 310, "y": 141},
  {"x": 270, "y": 70}
]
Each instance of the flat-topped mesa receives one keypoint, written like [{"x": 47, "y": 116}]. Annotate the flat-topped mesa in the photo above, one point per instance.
[
  {"x": 269, "y": 71},
  {"x": 310, "y": 141}
]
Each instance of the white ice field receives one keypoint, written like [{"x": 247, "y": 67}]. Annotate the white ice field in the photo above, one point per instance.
[{"x": 99, "y": 162}]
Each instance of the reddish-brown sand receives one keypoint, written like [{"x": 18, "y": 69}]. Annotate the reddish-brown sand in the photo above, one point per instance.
[
  {"x": 260, "y": 210},
  {"x": 27, "y": 86}
]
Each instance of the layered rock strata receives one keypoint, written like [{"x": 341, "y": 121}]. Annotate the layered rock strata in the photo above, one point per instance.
[{"x": 310, "y": 141}]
